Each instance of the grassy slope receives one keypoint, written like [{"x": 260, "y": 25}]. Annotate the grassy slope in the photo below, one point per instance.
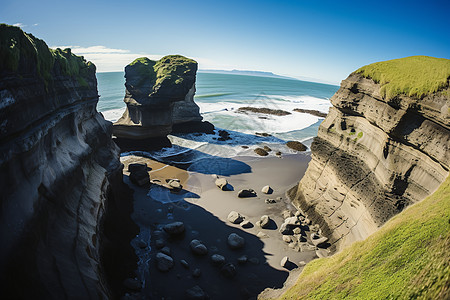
[
  {"x": 408, "y": 258},
  {"x": 412, "y": 76}
]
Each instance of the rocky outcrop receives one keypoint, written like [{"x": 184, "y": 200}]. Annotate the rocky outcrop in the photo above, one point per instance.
[
  {"x": 159, "y": 94},
  {"x": 373, "y": 156},
  {"x": 57, "y": 162}
]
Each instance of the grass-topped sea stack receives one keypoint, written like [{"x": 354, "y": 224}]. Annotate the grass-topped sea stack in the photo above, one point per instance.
[{"x": 152, "y": 88}]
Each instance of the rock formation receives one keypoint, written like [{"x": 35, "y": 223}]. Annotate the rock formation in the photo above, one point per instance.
[
  {"x": 152, "y": 90},
  {"x": 57, "y": 163},
  {"x": 373, "y": 156}
]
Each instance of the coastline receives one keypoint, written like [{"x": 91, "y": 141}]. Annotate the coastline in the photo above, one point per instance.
[{"x": 203, "y": 208}]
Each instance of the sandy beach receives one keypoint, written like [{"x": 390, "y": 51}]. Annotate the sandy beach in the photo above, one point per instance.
[{"x": 203, "y": 208}]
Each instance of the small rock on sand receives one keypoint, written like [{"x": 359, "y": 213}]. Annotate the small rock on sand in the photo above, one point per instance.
[
  {"x": 286, "y": 214},
  {"x": 198, "y": 248},
  {"x": 165, "y": 250},
  {"x": 246, "y": 193},
  {"x": 285, "y": 229},
  {"x": 196, "y": 293},
  {"x": 184, "y": 263},
  {"x": 160, "y": 243},
  {"x": 222, "y": 183},
  {"x": 321, "y": 253},
  {"x": 262, "y": 235},
  {"x": 197, "y": 273},
  {"x": 284, "y": 262},
  {"x": 261, "y": 152},
  {"x": 287, "y": 238},
  {"x": 174, "y": 228},
  {"x": 235, "y": 241},
  {"x": 217, "y": 259},
  {"x": 246, "y": 224},
  {"x": 267, "y": 190},
  {"x": 317, "y": 240},
  {"x": 163, "y": 262},
  {"x": 297, "y": 230},
  {"x": 270, "y": 201},
  {"x": 242, "y": 259},
  {"x": 228, "y": 270},
  {"x": 235, "y": 217},
  {"x": 295, "y": 145}
]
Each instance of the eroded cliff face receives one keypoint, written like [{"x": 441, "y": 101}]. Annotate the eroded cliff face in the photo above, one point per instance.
[
  {"x": 57, "y": 160},
  {"x": 372, "y": 157}
]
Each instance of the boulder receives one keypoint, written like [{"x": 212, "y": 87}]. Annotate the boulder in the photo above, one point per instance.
[
  {"x": 261, "y": 152},
  {"x": 174, "y": 228},
  {"x": 235, "y": 217},
  {"x": 267, "y": 190},
  {"x": 292, "y": 221},
  {"x": 198, "y": 248},
  {"x": 262, "y": 235},
  {"x": 140, "y": 177},
  {"x": 287, "y": 238},
  {"x": 285, "y": 229},
  {"x": 184, "y": 263},
  {"x": 246, "y": 224},
  {"x": 317, "y": 240},
  {"x": 286, "y": 214},
  {"x": 196, "y": 293},
  {"x": 246, "y": 193},
  {"x": 284, "y": 262},
  {"x": 165, "y": 250},
  {"x": 223, "y": 135},
  {"x": 163, "y": 262},
  {"x": 321, "y": 253},
  {"x": 235, "y": 241},
  {"x": 222, "y": 183},
  {"x": 160, "y": 243},
  {"x": 297, "y": 146},
  {"x": 174, "y": 184},
  {"x": 228, "y": 270},
  {"x": 217, "y": 259},
  {"x": 264, "y": 222},
  {"x": 267, "y": 148}
]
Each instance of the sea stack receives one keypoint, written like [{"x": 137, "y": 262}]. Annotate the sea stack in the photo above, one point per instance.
[{"x": 152, "y": 89}]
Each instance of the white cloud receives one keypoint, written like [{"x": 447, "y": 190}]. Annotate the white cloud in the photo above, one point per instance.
[
  {"x": 111, "y": 59},
  {"x": 20, "y": 25},
  {"x": 35, "y": 24}
]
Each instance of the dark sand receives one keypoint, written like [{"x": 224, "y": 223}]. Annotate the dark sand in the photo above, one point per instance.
[{"x": 204, "y": 209}]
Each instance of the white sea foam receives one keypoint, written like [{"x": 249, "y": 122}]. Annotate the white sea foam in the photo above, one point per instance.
[{"x": 114, "y": 114}]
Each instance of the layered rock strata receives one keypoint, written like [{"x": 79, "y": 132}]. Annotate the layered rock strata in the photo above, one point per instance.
[
  {"x": 158, "y": 95},
  {"x": 373, "y": 156},
  {"x": 57, "y": 163}
]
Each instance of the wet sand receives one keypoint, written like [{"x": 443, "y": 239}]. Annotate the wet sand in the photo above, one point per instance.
[{"x": 204, "y": 208}]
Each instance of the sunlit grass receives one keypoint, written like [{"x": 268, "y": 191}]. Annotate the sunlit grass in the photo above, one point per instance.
[
  {"x": 412, "y": 76},
  {"x": 408, "y": 258}
]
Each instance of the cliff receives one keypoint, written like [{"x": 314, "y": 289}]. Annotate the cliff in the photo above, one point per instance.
[
  {"x": 383, "y": 146},
  {"x": 158, "y": 95},
  {"x": 57, "y": 163}
]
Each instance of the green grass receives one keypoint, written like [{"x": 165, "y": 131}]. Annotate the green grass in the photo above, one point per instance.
[
  {"x": 22, "y": 52},
  {"x": 412, "y": 76},
  {"x": 171, "y": 69},
  {"x": 408, "y": 258}
]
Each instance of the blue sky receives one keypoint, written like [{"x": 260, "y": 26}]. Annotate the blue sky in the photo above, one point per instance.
[{"x": 326, "y": 40}]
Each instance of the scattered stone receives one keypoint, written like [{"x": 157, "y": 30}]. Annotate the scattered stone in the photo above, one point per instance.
[
  {"x": 308, "y": 221},
  {"x": 267, "y": 148},
  {"x": 301, "y": 238},
  {"x": 196, "y": 293},
  {"x": 287, "y": 238},
  {"x": 297, "y": 146},
  {"x": 302, "y": 263},
  {"x": 139, "y": 174},
  {"x": 279, "y": 198},
  {"x": 141, "y": 244},
  {"x": 264, "y": 222},
  {"x": 235, "y": 241},
  {"x": 197, "y": 273},
  {"x": 132, "y": 284},
  {"x": 285, "y": 262},
  {"x": 245, "y": 147},
  {"x": 160, "y": 243},
  {"x": 224, "y": 136},
  {"x": 217, "y": 259},
  {"x": 235, "y": 217},
  {"x": 278, "y": 153},
  {"x": 317, "y": 240},
  {"x": 285, "y": 229},
  {"x": 293, "y": 245},
  {"x": 267, "y": 190},
  {"x": 286, "y": 214},
  {"x": 321, "y": 253},
  {"x": 264, "y": 134},
  {"x": 242, "y": 259},
  {"x": 293, "y": 221},
  {"x": 297, "y": 230},
  {"x": 174, "y": 184},
  {"x": 165, "y": 250},
  {"x": 298, "y": 214},
  {"x": 228, "y": 270},
  {"x": 222, "y": 183},
  {"x": 270, "y": 201},
  {"x": 184, "y": 263},
  {"x": 261, "y": 152},
  {"x": 164, "y": 262},
  {"x": 307, "y": 247},
  {"x": 198, "y": 248},
  {"x": 174, "y": 228},
  {"x": 254, "y": 260},
  {"x": 246, "y": 224},
  {"x": 246, "y": 193},
  {"x": 262, "y": 235}
]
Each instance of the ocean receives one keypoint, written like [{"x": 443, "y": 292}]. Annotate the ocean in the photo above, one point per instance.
[{"x": 220, "y": 95}]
